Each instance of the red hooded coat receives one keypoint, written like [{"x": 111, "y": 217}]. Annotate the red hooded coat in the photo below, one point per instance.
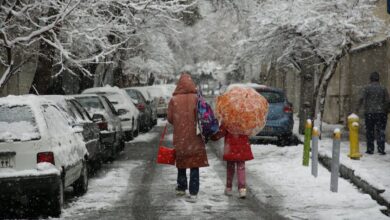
[
  {"x": 237, "y": 147},
  {"x": 190, "y": 149}
]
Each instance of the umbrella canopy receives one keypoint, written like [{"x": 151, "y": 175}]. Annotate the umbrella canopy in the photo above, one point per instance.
[{"x": 242, "y": 110}]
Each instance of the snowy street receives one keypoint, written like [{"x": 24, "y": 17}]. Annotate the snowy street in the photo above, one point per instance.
[
  {"x": 135, "y": 187},
  {"x": 195, "y": 109}
]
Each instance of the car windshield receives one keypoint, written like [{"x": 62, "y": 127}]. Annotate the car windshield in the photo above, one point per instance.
[
  {"x": 17, "y": 123},
  {"x": 115, "y": 99},
  {"x": 132, "y": 94},
  {"x": 90, "y": 102},
  {"x": 272, "y": 97}
]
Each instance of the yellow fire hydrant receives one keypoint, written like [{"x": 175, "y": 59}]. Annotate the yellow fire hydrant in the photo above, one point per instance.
[{"x": 353, "y": 125}]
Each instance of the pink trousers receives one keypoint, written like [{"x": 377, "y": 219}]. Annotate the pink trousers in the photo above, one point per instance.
[{"x": 231, "y": 165}]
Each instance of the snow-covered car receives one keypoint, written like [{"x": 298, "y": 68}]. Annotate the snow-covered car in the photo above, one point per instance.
[
  {"x": 104, "y": 113},
  {"x": 162, "y": 94},
  {"x": 144, "y": 108},
  {"x": 80, "y": 118},
  {"x": 125, "y": 107},
  {"x": 40, "y": 154},
  {"x": 150, "y": 101},
  {"x": 280, "y": 120}
]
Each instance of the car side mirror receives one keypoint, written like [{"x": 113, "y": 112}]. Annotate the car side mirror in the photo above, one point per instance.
[
  {"x": 97, "y": 117},
  {"x": 122, "y": 111}
]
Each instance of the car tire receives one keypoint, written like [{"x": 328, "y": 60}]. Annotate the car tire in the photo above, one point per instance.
[
  {"x": 56, "y": 202},
  {"x": 136, "y": 131},
  {"x": 81, "y": 185},
  {"x": 122, "y": 145}
]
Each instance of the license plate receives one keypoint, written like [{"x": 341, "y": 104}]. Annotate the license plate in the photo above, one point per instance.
[{"x": 7, "y": 159}]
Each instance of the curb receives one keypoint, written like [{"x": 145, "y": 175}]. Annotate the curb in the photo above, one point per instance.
[{"x": 349, "y": 174}]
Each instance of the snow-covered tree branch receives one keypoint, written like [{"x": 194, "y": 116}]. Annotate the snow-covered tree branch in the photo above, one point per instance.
[{"x": 81, "y": 32}]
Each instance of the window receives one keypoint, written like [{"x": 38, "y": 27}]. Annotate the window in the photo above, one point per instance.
[
  {"x": 55, "y": 120},
  {"x": 90, "y": 102},
  {"x": 272, "y": 97},
  {"x": 110, "y": 105},
  {"x": 17, "y": 123}
]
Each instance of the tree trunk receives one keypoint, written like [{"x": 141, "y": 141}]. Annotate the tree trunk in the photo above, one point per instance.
[
  {"x": 306, "y": 98},
  {"x": 43, "y": 74},
  {"x": 308, "y": 72}
]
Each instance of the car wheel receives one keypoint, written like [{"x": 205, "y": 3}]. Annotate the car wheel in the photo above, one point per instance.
[
  {"x": 56, "y": 202},
  {"x": 122, "y": 145},
  {"x": 81, "y": 185},
  {"x": 136, "y": 131}
]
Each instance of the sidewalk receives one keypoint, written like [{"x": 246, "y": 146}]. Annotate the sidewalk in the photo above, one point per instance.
[
  {"x": 370, "y": 173},
  {"x": 276, "y": 176}
]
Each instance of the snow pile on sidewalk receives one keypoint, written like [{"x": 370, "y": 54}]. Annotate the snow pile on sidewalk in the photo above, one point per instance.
[
  {"x": 374, "y": 169},
  {"x": 304, "y": 196}
]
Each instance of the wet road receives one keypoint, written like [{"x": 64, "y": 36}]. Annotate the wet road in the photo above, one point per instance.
[{"x": 135, "y": 187}]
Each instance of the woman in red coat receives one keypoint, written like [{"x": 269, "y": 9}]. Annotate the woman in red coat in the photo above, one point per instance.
[
  {"x": 237, "y": 150},
  {"x": 190, "y": 148}
]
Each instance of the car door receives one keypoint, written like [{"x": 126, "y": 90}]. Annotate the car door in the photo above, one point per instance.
[
  {"x": 148, "y": 110},
  {"x": 68, "y": 148},
  {"x": 113, "y": 115},
  {"x": 90, "y": 131}
]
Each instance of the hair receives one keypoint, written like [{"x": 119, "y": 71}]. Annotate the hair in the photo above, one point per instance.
[{"x": 374, "y": 77}]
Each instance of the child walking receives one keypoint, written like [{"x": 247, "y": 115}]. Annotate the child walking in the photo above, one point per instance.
[{"x": 237, "y": 150}]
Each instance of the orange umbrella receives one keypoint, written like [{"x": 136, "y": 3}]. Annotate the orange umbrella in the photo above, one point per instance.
[{"x": 242, "y": 110}]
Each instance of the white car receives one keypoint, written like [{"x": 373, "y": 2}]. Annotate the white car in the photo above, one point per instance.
[
  {"x": 125, "y": 107},
  {"x": 161, "y": 94},
  {"x": 40, "y": 154},
  {"x": 150, "y": 100}
]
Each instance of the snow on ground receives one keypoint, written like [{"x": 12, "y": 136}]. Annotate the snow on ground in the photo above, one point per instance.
[
  {"x": 372, "y": 168},
  {"x": 103, "y": 191},
  {"x": 145, "y": 137},
  {"x": 211, "y": 204},
  {"x": 161, "y": 122},
  {"x": 210, "y": 194},
  {"x": 305, "y": 196}
]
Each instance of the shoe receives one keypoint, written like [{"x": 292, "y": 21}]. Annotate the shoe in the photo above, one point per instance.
[
  {"x": 180, "y": 192},
  {"x": 192, "y": 198},
  {"x": 228, "y": 191},
  {"x": 369, "y": 152},
  {"x": 382, "y": 152},
  {"x": 242, "y": 193}
]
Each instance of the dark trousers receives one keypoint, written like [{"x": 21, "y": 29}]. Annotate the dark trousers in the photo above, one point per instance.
[
  {"x": 375, "y": 122},
  {"x": 194, "y": 180}
]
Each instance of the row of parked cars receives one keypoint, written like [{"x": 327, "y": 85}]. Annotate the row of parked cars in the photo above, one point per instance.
[{"x": 48, "y": 143}]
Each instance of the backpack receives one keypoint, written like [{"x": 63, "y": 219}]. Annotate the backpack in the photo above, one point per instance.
[{"x": 207, "y": 123}]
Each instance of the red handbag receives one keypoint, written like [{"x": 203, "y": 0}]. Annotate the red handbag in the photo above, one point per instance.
[{"x": 165, "y": 155}]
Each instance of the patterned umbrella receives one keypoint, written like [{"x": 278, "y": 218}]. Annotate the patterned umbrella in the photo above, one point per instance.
[{"x": 242, "y": 110}]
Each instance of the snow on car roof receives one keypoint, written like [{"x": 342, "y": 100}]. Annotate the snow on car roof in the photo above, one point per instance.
[
  {"x": 106, "y": 89},
  {"x": 252, "y": 85},
  {"x": 125, "y": 100},
  {"x": 159, "y": 90},
  {"x": 31, "y": 100}
]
